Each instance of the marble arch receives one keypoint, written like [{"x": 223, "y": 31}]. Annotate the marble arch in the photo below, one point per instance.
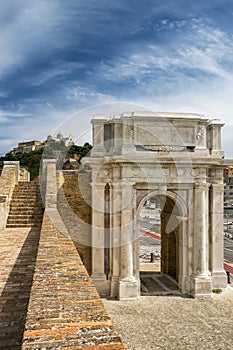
[{"x": 179, "y": 158}]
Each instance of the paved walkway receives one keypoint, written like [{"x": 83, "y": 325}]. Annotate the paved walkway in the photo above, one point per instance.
[
  {"x": 39, "y": 290},
  {"x": 47, "y": 300},
  {"x": 174, "y": 322},
  {"x": 18, "y": 250}
]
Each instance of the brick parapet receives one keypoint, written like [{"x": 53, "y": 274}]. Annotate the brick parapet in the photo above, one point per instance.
[{"x": 65, "y": 310}]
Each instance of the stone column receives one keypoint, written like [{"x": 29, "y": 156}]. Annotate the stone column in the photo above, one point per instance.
[
  {"x": 128, "y": 287},
  {"x": 219, "y": 279},
  {"x": 115, "y": 238},
  {"x": 98, "y": 276},
  {"x": 202, "y": 281}
]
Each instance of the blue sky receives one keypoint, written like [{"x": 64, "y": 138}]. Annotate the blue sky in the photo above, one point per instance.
[{"x": 62, "y": 57}]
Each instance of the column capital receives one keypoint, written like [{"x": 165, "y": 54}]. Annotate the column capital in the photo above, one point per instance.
[
  {"x": 217, "y": 186},
  {"x": 201, "y": 186},
  {"x": 127, "y": 184},
  {"x": 99, "y": 185},
  {"x": 115, "y": 185}
]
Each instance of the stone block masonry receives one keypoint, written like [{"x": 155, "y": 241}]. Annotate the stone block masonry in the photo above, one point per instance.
[
  {"x": 8, "y": 179},
  {"x": 65, "y": 310}
]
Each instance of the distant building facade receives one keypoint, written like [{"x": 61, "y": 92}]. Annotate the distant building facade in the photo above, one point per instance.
[
  {"x": 228, "y": 190},
  {"x": 28, "y": 146},
  {"x": 33, "y": 145},
  {"x": 67, "y": 141}
]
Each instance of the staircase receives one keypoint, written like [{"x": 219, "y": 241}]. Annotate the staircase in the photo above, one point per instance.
[{"x": 26, "y": 206}]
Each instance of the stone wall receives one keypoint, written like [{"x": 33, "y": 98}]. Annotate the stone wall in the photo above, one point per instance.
[
  {"x": 73, "y": 205},
  {"x": 66, "y": 197},
  {"x": 24, "y": 175},
  {"x": 48, "y": 184},
  {"x": 8, "y": 179}
]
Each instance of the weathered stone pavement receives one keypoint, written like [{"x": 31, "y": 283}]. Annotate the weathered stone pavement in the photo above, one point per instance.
[{"x": 174, "y": 322}]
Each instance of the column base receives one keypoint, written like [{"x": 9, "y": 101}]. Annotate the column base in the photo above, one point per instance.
[
  {"x": 201, "y": 286},
  {"x": 184, "y": 284},
  {"x": 219, "y": 279},
  {"x": 114, "y": 287},
  {"x": 102, "y": 284},
  {"x": 128, "y": 289}
]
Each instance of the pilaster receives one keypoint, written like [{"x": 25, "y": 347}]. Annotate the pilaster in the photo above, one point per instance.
[
  {"x": 202, "y": 285},
  {"x": 184, "y": 278},
  {"x": 98, "y": 230},
  {"x": 115, "y": 238},
  {"x": 128, "y": 286},
  {"x": 219, "y": 279}
]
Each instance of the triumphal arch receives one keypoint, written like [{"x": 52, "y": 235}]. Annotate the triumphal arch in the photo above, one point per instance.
[{"x": 178, "y": 159}]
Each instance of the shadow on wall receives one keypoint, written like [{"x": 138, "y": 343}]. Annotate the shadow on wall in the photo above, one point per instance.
[{"x": 15, "y": 296}]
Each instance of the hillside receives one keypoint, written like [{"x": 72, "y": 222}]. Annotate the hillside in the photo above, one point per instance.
[{"x": 31, "y": 160}]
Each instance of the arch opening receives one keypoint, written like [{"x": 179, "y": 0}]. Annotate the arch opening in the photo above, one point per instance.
[{"x": 158, "y": 244}]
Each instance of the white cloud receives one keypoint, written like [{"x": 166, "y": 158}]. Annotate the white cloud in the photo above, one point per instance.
[
  {"x": 78, "y": 93},
  {"x": 5, "y": 115},
  {"x": 204, "y": 49},
  {"x": 7, "y": 144},
  {"x": 57, "y": 69}
]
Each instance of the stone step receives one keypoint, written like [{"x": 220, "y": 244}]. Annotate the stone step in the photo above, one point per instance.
[
  {"x": 26, "y": 190},
  {"x": 24, "y": 221},
  {"x": 21, "y": 198},
  {"x": 23, "y": 225},
  {"x": 26, "y": 206},
  {"x": 26, "y": 200},
  {"x": 24, "y": 216},
  {"x": 27, "y": 184},
  {"x": 26, "y": 187},
  {"x": 25, "y": 211},
  {"x": 25, "y": 194}
]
